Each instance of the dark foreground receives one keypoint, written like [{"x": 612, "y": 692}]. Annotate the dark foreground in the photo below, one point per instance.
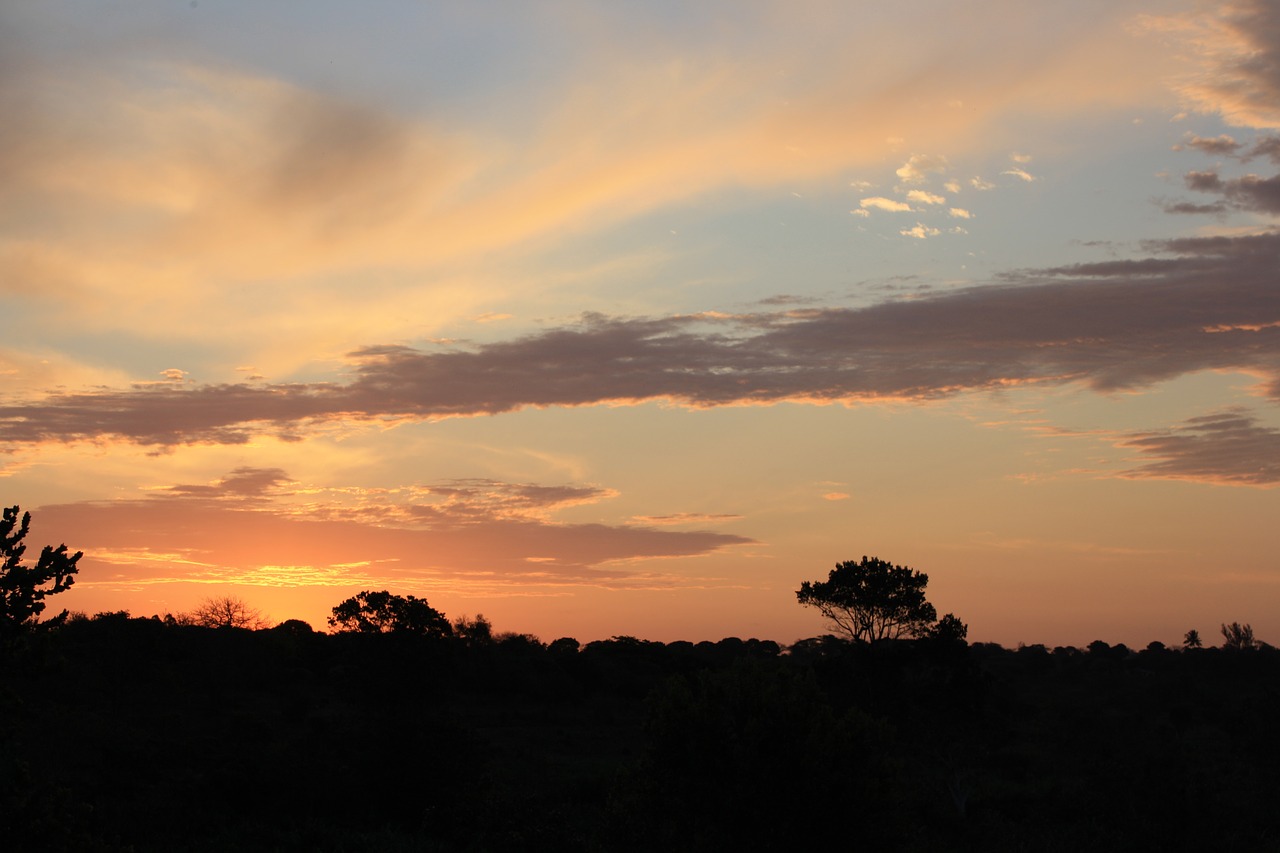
[{"x": 128, "y": 734}]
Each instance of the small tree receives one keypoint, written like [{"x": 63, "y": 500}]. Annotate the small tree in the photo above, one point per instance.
[
  {"x": 23, "y": 588},
  {"x": 1238, "y": 638},
  {"x": 473, "y": 632},
  {"x": 1192, "y": 639},
  {"x": 872, "y": 600},
  {"x": 226, "y": 612},
  {"x": 949, "y": 630},
  {"x": 384, "y": 613}
]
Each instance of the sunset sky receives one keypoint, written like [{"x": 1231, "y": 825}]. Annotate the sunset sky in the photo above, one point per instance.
[{"x": 626, "y": 318}]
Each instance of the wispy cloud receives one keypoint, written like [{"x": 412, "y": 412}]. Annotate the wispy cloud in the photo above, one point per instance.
[
  {"x": 248, "y": 529},
  {"x": 1238, "y": 51},
  {"x": 1227, "y": 448},
  {"x": 882, "y": 203}
]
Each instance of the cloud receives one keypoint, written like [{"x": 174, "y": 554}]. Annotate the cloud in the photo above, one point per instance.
[
  {"x": 1267, "y": 146},
  {"x": 980, "y": 184},
  {"x": 1249, "y": 192},
  {"x": 1195, "y": 304},
  {"x": 1219, "y": 146},
  {"x": 1227, "y": 448},
  {"x": 918, "y": 168},
  {"x": 1238, "y": 52},
  {"x": 1188, "y": 207},
  {"x": 920, "y": 231},
  {"x": 245, "y": 530},
  {"x": 960, "y": 213},
  {"x": 240, "y": 484},
  {"x": 1021, "y": 174},
  {"x": 197, "y": 201},
  {"x": 686, "y": 518},
  {"x": 881, "y": 203},
  {"x": 925, "y": 197}
]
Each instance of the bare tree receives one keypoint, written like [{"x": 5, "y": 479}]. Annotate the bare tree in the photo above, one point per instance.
[{"x": 227, "y": 612}]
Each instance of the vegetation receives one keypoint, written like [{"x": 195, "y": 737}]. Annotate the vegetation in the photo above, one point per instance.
[
  {"x": 226, "y": 612},
  {"x": 23, "y": 588},
  {"x": 872, "y": 600},
  {"x": 385, "y": 613},
  {"x": 400, "y": 731}
]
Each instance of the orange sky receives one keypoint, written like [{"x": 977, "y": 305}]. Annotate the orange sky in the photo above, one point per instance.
[{"x": 603, "y": 320}]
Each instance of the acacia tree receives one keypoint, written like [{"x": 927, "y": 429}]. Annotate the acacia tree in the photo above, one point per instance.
[
  {"x": 384, "y": 613},
  {"x": 227, "y": 612},
  {"x": 872, "y": 600},
  {"x": 23, "y": 588}
]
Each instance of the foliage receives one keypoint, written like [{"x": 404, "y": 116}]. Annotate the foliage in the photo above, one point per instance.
[
  {"x": 1192, "y": 639},
  {"x": 872, "y": 600},
  {"x": 384, "y": 613},
  {"x": 226, "y": 612},
  {"x": 23, "y": 588},
  {"x": 473, "y": 632},
  {"x": 949, "y": 629},
  {"x": 1237, "y": 637}
]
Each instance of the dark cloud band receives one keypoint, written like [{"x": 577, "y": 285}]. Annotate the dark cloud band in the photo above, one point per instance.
[{"x": 1194, "y": 304}]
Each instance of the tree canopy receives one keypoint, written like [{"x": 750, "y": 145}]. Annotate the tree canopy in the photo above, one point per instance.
[
  {"x": 872, "y": 600},
  {"x": 385, "y": 613},
  {"x": 23, "y": 588}
]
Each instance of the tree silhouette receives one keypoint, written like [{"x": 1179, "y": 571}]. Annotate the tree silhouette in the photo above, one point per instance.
[
  {"x": 383, "y": 613},
  {"x": 1192, "y": 639},
  {"x": 473, "y": 632},
  {"x": 1237, "y": 637},
  {"x": 872, "y": 600},
  {"x": 23, "y": 588},
  {"x": 949, "y": 629},
  {"x": 227, "y": 612}
]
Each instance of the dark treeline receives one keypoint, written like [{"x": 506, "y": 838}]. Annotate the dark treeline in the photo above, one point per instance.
[{"x": 121, "y": 733}]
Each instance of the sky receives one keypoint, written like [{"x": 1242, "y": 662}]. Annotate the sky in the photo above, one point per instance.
[{"x": 623, "y": 318}]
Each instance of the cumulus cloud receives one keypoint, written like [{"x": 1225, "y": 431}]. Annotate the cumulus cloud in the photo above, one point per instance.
[
  {"x": 481, "y": 529},
  {"x": 1021, "y": 174},
  {"x": 960, "y": 213},
  {"x": 1229, "y": 448},
  {"x": 918, "y": 168},
  {"x": 1193, "y": 304},
  {"x": 920, "y": 231},
  {"x": 979, "y": 184},
  {"x": 881, "y": 203}
]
